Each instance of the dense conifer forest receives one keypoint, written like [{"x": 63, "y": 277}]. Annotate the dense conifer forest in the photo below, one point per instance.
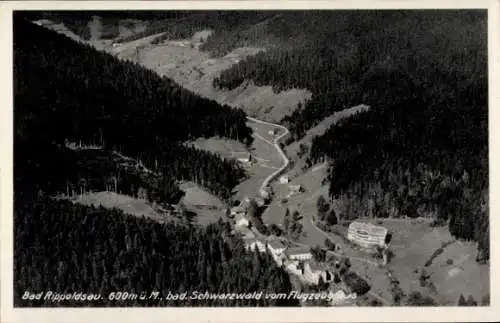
[
  {"x": 335, "y": 53},
  {"x": 66, "y": 91},
  {"x": 65, "y": 248}
]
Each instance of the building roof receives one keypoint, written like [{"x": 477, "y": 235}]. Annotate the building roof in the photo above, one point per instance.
[
  {"x": 276, "y": 244},
  {"x": 240, "y": 216},
  {"x": 297, "y": 251},
  {"x": 246, "y": 232},
  {"x": 368, "y": 228},
  {"x": 251, "y": 239},
  {"x": 314, "y": 266},
  {"x": 237, "y": 209}
]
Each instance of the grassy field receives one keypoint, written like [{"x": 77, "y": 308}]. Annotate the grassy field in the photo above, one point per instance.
[
  {"x": 461, "y": 275},
  {"x": 453, "y": 272},
  {"x": 182, "y": 61},
  {"x": 127, "y": 204},
  {"x": 208, "y": 207},
  {"x": 222, "y": 146},
  {"x": 413, "y": 245}
]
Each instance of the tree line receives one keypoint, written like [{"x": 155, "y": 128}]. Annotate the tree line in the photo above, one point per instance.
[{"x": 65, "y": 248}]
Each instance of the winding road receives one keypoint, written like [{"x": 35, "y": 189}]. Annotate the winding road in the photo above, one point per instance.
[
  {"x": 273, "y": 175},
  {"x": 276, "y": 145}
]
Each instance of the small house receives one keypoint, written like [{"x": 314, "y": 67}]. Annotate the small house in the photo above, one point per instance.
[
  {"x": 368, "y": 235},
  {"x": 295, "y": 189},
  {"x": 277, "y": 248},
  {"x": 313, "y": 272},
  {"x": 244, "y": 158},
  {"x": 245, "y": 203},
  {"x": 284, "y": 179},
  {"x": 272, "y": 132},
  {"x": 265, "y": 193},
  {"x": 245, "y": 232},
  {"x": 292, "y": 266},
  {"x": 237, "y": 211},
  {"x": 241, "y": 220},
  {"x": 298, "y": 253}
]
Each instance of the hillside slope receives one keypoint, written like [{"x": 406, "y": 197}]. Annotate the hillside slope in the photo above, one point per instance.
[
  {"x": 69, "y": 91},
  {"x": 64, "y": 248}
]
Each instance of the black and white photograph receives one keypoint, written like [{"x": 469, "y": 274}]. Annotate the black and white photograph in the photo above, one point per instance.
[{"x": 250, "y": 158}]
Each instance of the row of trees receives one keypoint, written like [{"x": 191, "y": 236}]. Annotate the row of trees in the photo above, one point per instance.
[
  {"x": 64, "y": 248},
  {"x": 292, "y": 224},
  {"x": 68, "y": 91},
  {"x": 325, "y": 212}
]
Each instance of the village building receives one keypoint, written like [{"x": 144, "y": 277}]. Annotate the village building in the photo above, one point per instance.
[
  {"x": 245, "y": 203},
  {"x": 293, "y": 267},
  {"x": 253, "y": 244},
  {"x": 298, "y": 253},
  {"x": 284, "y": 179},
  {"x": 243, "y": 157},
  {"x": 294, "y": 190},
  {"x": 265, "y": 193},
  {"x": 277, "y": 248},
  {"x": 241, "y": 220},
  {"x": 368, "y": 235},
  {"x": 313, "y": 272},
  {"x": 245, "y": 232},
  {"x": 237, "y": 211},
  {"x": 272, "y": 132}
]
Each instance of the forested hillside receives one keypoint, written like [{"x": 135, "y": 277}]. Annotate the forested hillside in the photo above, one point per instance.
[
  {"x": 334, "y": 53},
  {"x": 69, "y": 91},
  {"x": 423, "y": 148},
  {"x": 66, "y": 248}
]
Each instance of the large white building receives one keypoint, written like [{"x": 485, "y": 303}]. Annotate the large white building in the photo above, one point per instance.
[{"x": 368, "y": 235}]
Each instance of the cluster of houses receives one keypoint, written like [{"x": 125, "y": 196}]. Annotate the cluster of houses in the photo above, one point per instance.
[{"x": 296, "y": 260}]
